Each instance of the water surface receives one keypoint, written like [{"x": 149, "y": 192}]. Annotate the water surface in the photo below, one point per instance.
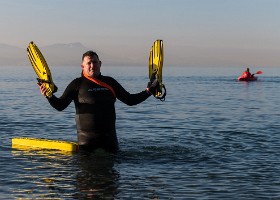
[{"x": 213, "y": 138}]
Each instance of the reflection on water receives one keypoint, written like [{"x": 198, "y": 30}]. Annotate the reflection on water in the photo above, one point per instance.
[
  {"x": 96, "y": 176},
  {"x": 54, "y": 174}
]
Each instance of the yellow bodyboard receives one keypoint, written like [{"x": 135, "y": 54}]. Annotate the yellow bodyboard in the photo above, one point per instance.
[
  {"x": 155, "y": 67},
  {"x": 41, "y": 68},
  {"x": 40, "y": 144}
]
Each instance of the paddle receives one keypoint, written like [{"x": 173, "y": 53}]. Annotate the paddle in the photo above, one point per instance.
[{"x": 258, "y": 72}]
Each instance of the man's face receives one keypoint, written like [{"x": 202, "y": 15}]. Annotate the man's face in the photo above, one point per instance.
[{"x": 91, "y": 66}]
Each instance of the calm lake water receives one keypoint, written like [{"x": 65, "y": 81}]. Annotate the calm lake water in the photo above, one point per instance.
[{"x": 213, "y": 138}]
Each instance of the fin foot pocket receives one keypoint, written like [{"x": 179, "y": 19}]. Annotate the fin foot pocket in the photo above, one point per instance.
[{"x": 162, "y": 97}]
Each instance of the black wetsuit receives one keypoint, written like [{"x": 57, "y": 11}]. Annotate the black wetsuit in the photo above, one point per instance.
[{"x": 95, "y": 110}]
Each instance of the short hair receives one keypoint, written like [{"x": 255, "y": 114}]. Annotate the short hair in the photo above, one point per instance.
[{"x": 90, "y": 54}]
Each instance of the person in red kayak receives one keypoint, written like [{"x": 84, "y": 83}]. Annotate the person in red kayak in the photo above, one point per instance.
[{"x": 247, "y": 74}]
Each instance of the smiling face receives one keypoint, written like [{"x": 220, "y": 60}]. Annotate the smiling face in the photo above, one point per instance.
[{"x": 91, "y": 66}]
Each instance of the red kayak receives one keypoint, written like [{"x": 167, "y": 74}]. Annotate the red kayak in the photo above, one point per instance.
[
  {"x": 251, "y": 78},
  {"x": 241, "y": 78}
]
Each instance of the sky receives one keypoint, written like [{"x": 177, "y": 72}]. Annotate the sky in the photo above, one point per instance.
[{"x": 224, "y": 33}]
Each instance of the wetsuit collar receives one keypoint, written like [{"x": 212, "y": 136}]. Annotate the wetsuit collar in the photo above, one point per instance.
[{"x": 82, "y": 74}]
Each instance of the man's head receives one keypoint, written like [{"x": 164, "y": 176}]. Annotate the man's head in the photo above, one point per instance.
[{"x": 91, "y": 64}]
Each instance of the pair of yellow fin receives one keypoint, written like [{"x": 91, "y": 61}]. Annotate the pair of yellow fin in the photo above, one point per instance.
[{"x": 42, "y": 70}]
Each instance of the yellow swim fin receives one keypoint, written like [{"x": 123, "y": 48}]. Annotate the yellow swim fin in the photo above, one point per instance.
[
  {"x": 41, "y": 68},
  {"x": 155, "y": 69}
]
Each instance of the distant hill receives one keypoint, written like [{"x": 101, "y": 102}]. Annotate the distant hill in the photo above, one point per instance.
[
  {"x": 71, "y": 54},
  {"x": 56, "y": 55},
  {"x": 64, "y": 55},
  {"x": 11, "y": 55}
]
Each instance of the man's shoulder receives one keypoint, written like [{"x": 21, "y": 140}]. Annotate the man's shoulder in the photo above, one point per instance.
[
  {"x": 76, "y": 81},
  {"x": 109, "y": 78}
]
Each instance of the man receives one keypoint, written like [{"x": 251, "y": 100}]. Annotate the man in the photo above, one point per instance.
[
  {"x": 247, "y": 74},
  {"x": 94, "y": 96}
]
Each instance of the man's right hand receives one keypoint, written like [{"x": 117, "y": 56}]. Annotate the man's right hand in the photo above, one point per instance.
[{"x": 43, "y": 89}]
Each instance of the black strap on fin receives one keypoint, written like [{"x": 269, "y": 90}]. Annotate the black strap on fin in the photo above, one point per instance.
[
  {"x": 42, "y": 81},
  {"x": 162, "y": 97}
]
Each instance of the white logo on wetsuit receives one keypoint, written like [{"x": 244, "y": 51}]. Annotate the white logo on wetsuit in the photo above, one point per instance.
[{"x": 97, "y": 89}]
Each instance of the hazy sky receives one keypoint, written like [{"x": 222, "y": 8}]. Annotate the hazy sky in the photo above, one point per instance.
[{"x": 195, "y": 32}]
